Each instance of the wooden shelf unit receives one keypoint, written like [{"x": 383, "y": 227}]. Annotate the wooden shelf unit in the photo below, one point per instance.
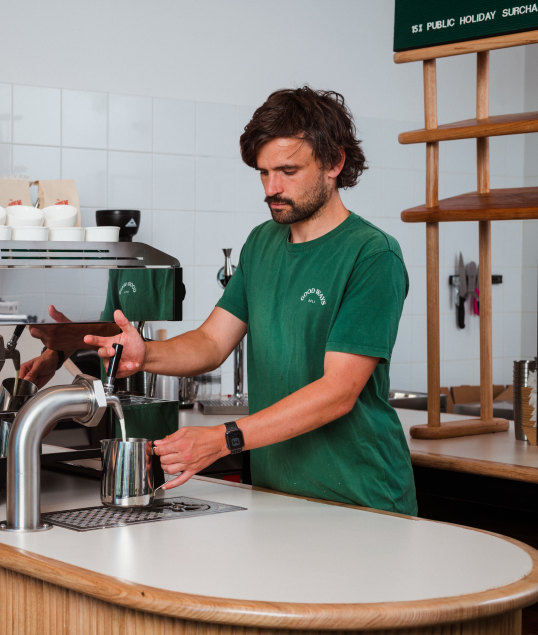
[
  {"x": 483, "y": 206},
  {"x": 496, "y": 126}
]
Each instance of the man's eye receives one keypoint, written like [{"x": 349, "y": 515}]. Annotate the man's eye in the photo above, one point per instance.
[{"x": 289, "y": 172}]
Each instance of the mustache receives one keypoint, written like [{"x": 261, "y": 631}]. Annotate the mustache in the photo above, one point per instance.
[{"x": 278, "y": 199}]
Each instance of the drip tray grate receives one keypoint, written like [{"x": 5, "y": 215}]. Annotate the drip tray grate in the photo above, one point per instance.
[{"x": 101, "y": 517}]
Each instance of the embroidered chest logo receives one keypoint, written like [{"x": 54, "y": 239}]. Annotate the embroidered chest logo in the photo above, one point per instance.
[
  {"x": 127, "y": 287},
  {"x": 314, "y": 296}
]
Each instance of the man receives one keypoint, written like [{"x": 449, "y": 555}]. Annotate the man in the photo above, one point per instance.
[{"x": 319, "y": 292}]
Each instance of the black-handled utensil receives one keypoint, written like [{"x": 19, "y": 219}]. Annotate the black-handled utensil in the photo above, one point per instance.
[{"x": 113, "y": 369}]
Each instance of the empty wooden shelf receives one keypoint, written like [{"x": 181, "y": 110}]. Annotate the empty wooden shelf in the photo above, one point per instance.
[{"x": 502, "y": 204}]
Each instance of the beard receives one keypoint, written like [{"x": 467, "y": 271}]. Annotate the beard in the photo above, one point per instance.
[{"x": 307, "y": 208}]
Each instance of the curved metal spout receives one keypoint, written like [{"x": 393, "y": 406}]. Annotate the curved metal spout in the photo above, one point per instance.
[{"x": 85, "y": 401}]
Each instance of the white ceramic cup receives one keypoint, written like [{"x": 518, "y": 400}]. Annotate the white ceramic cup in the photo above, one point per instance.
[
  {"x": 73, "y": 234},
  {"x": 60, "y": 216},
  {"x": 3, "y": 215},
  {"x": 5, "y": 232},
  {"x": 32, "y": 232},
  {"x": 24, "y": 215},
  {"x": 103, "y": 234}
]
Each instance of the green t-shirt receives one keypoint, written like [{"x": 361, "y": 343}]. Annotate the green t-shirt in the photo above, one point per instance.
[{"x": 341, "y": 292}]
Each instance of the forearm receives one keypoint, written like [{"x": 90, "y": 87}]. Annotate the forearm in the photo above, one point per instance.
[
  {"x": 185, "y": 355},
  {"x": 197, "y": 351},
  {"x": 191, "y": 449},
  {"x": 305, "y": 410}
]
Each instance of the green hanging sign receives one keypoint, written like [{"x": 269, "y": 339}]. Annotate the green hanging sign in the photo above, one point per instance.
[{"x": 418, "y": 23}]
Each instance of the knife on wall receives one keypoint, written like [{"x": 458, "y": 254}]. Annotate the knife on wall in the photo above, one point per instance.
[
  {"x": 462, "y": 294},
  {"x": 472, "y": 286}
]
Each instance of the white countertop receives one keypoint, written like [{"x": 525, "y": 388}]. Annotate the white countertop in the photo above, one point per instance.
[{"x": 280, "y": 548}]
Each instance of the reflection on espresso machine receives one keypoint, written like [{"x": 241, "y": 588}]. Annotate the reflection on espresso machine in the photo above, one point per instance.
[
  {"x": 88, "y": 281},
  {"x": 84, "y": 283}
]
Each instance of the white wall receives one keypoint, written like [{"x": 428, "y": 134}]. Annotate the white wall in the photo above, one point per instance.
[{"x": 142, "y": 104}]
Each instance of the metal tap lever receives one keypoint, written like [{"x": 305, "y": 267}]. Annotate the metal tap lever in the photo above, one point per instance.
[
  {"x": 11, "y": 351},
  {"x": 113, "y": 369},
  {"x": 15, "y": 337}
]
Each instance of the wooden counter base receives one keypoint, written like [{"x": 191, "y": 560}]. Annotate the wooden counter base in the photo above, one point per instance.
[{"x": 64, "y": 612}]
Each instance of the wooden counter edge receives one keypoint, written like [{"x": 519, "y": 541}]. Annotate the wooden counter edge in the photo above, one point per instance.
[
  {"x": 473, "y": 466},
  {"x": 264, "y": 614}
]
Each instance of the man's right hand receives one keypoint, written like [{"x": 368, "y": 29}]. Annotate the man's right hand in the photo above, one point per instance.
[{"x": 134, "y": 348}]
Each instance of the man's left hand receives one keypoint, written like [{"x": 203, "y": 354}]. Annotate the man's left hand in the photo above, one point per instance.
[{"x": 190, "y": 450}]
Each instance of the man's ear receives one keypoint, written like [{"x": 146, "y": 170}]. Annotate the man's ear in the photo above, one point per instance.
[{"x": 338, "y": 167}]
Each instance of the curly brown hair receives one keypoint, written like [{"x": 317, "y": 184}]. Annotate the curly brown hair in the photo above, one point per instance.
[{"x": 320, "y": 117}]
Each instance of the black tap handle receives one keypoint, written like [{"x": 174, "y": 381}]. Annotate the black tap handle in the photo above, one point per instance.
[
  {"x": 15, "y": 337},
  {"x": 114, "y": 362},
  {"x": 113, "y": 368}
]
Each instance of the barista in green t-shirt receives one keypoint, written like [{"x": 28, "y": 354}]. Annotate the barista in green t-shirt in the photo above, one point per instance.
[{"x": 319, "y": 293}]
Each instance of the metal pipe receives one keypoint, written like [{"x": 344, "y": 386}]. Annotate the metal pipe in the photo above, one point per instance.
[{"x": 85, "y": 401}]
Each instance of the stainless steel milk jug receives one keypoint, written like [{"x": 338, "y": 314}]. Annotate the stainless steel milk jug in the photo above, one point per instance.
[{"x": 127, "y": 479}]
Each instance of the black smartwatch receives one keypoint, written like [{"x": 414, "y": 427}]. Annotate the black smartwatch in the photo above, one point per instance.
[{"x": 234, "y": 438}]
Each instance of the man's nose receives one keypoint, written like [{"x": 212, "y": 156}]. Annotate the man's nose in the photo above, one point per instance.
[{"x": 273, "y": 184}]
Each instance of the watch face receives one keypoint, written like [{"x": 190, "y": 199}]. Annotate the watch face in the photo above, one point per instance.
[{"x": 235, "y": 441}]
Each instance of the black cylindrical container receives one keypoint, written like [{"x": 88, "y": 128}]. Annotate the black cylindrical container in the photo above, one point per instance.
[{"x": 128, "y": 220}]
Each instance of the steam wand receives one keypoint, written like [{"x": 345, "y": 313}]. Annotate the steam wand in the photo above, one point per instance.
[{"x": 224, "y": 276}]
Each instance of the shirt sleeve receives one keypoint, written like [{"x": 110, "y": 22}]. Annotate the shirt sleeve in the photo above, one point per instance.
[{"x": 372, "y": 303}]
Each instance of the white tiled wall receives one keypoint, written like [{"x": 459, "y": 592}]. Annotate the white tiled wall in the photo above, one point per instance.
[{"x": 178, "y": 161}]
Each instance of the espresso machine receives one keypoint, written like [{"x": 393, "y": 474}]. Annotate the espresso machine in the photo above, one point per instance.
[{"x": 86, "y": 282}]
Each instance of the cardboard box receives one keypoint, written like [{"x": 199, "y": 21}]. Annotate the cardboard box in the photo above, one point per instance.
[
  {"x": 471, "y": 394},
  {"x": 419, "y": 24}
]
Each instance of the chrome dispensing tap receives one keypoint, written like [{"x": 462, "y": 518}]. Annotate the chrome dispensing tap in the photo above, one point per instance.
[
  {"x": 85, "y": 401},
  {"x": 113, "y": 400}
]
